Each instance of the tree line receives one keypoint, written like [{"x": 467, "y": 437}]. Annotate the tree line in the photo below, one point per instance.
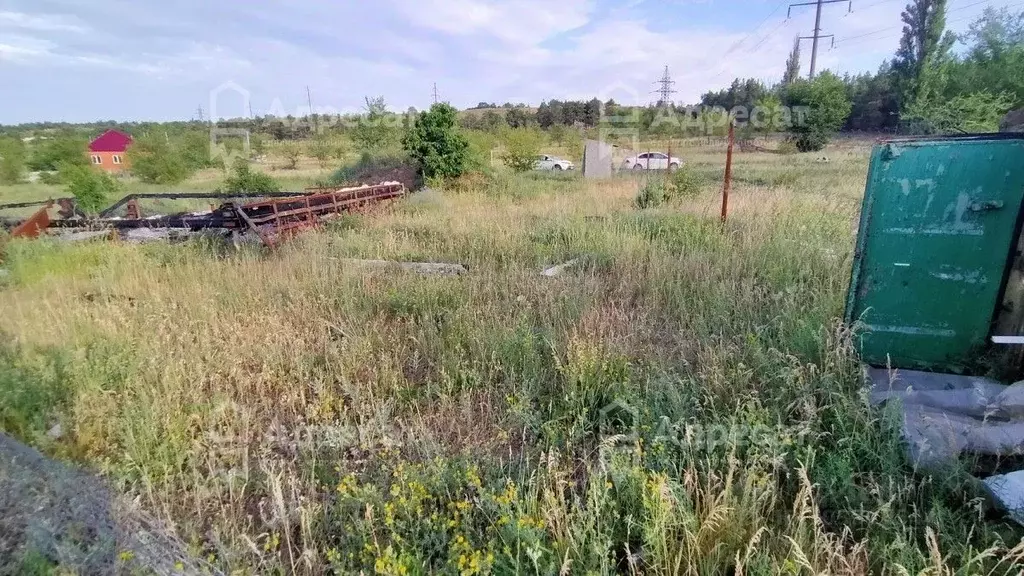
[{"x": 937, "y": 81}]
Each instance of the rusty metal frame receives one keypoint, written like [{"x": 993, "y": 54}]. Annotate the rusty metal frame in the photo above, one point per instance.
[{"x": 273, "y": 217}]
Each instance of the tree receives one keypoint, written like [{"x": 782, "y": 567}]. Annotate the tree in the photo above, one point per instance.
[
  {"x": 522, "y": 145},
  {"x": 436, "y": 143},
  {"x": 155, "y": 161},
  {"x": 994, "y": 60},
  {"x": 875, "y": 106},
  {"x": 923, "y": 48},
  {"x": 976, "y": 112},
  {"x": 91, "y": 188},
  {"x": 592, "y": 112},
  {"x": 320, "y": 148},
  {"x": 558, "y": 133},
  {"x": 244, "y": 179},
  {"x": 519, "y": 118},
  {"x": 12, "y": 160},
  {"x": 51, "y": 154},
  {"x": 792, "y": 64},
  {"x": 768, "y": 114},
  {"x": 994, "y": 33},
  {"x": 374, "y": 130},
  {"x": 827, "y": 107},
  {"x": 291, "y": 153}
]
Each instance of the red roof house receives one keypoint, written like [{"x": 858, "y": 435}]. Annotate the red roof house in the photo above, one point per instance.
[{"x": 108, "y": 151}]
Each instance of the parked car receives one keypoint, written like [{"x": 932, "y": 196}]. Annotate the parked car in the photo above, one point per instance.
[
  {"x": 651, "y": 161},
  {"x": 545, "y": 162}
]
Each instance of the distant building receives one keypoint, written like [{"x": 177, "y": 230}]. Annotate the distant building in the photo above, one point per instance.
[{"x": 108, "y": 151}]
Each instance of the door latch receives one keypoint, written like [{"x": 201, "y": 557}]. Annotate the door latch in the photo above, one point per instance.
[{"x": 986, "y": 206}]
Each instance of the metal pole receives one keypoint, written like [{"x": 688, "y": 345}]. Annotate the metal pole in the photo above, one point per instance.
[
  {"x": 728, "y": 172},
  {"x": 817, "y": 33},
  {"x": 669, "y": 171}
]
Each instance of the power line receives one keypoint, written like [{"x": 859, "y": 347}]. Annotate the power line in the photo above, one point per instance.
[
  {"x": 769, "y": 35},
  {"x": 844, "y": 41},
  {"x": 879, "y": 3},
  {"x": 760, "y": 42},
  {"x": 756, "y": 28}
]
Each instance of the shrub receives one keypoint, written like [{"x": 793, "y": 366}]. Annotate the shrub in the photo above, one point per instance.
[
  {"x": 12, "y": 160},
  {"x": 375, "y": 130},
  {"x": 975, "y": 112},
  {"x": 51, "y": 154},
  {"x": 436, "y": 143},
  {"x": 91, "y": 188},
  {"x": 291, "y": 153},
  {"x": 687, "y": 182},
  {"x": 788, "y": 146},
  {"x": 155, "y": 161},
  {"x": 244, "y": 179},
  {"x": 521, "y": 148},
  {"x": 320, "y": 148},
  {"x": 811, "y": 141},
  {"x": 652, "y": 194}
]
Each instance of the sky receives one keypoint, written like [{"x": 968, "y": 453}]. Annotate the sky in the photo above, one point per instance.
[{"x": 83, "y": 61}]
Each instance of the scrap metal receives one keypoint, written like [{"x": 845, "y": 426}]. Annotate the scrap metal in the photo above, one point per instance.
[{"x": 272, "y": 216}]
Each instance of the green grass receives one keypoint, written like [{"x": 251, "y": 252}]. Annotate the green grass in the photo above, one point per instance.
[{"x": 685, "y": 401}]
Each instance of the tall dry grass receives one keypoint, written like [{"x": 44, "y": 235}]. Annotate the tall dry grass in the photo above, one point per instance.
[{"x": 288, "y": 412}]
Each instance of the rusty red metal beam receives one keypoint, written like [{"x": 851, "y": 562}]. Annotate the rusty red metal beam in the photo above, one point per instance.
[
  {"x": 35, "y": 224},
  {"x": 279, "y": 217}
]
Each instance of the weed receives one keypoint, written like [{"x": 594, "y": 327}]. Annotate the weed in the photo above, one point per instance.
[{"x": 684, "y": 400}]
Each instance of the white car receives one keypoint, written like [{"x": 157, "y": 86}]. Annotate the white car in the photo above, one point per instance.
[
  {"x": 651, "y": 161},
  {"x": 545, "y": 162}
]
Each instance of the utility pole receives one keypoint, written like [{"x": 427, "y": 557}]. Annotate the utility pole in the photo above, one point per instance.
[
  {"x": 199, "y": 111},
  {"x": 817, "y": 28},
  {"x": 309, "y": 102},
  {"x": 436, "y": 97}
]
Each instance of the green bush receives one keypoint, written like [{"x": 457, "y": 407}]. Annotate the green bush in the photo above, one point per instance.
[
  {"x": 828, "y": 107},
  {"x": 686, "y": 182},
  {"x": 377, "y": 129},
  {"x": 321, "y": 149},
  {"x": 12, "y": 160},
  {"x": 291, "y": 153},
  {"x": 436, "y": 143},
  {"x": 155, "y": 160},
  {"x": 652, "y": 194},
  {"x": 522, "y": 145},
  {"x": 244, "y": 179},
  {"x": 91, "y": 188},
  {"x": 51, "y": 154},
  {"x": 811, "y": 141}
]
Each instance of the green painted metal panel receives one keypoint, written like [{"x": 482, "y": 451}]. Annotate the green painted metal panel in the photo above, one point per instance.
[{"x": 939, "y": 222}]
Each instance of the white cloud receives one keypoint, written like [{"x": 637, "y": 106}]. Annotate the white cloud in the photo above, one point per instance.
[
  {"x": 23, "y": 49},
  {"x": 41, "y": 22},
  {"x": 165, "y": 57},
  {"x": 519, "y": 22}
]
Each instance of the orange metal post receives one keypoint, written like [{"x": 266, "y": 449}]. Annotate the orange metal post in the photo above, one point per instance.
[{"x": 728, "y": 172}]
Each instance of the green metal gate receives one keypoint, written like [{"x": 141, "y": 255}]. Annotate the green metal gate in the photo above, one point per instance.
[{"x": 939, "y": 225}]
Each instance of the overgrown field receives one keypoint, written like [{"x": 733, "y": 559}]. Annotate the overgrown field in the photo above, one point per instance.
[{"x": 686, "y": 401}]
